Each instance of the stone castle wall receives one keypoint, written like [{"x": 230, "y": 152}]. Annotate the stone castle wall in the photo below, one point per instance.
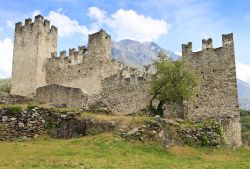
[
  {"x": 123, "y": 93},
  {"x": 86, "y": 67},
  {"x": 218, "y": 91},
  {"x": 61, "y": 95},
  {"x": 34, "y": 42}
]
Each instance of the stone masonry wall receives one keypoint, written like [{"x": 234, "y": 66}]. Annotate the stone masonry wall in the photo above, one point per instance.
[
  {"x": 33, "y": 44},
  {"x": 218, "y": 92},
  {"x": 57, "y": 94},
  {"x": 123, "y": 94},
  {"x": 6, "y": 98},
  {"x": 86, "y": 68},
  {"x": 25, "y": 124}
]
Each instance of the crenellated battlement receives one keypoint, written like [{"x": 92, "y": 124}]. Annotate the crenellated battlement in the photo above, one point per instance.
[
  {"x": 73, "y": 56},
  {"x": 39, "y": 24},
  {"x": 227, "y": 41},
  {"x": 187, "y": 48},
  {"x": 207, "y": 44}
]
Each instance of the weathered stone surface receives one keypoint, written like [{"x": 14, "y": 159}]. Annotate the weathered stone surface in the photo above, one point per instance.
[
  {"x": 25, "y": 124},
  {"x": 34, "y": 43},
  {"x": 170, "y": 132},
  {"x": 6, "y": 98},
  {"x": 57, "y": 94},
  {"x": 218, "y": 91}
]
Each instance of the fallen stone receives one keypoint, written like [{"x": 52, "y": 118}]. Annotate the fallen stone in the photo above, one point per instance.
[{"x": 4, "y": 118}]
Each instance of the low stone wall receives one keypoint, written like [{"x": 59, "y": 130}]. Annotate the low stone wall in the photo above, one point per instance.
[
  {"x": 26, "y": 124},
  {"x": 58, "y": 94},
  {"x": 6, "y": 98},
  {"x": 15, "y": 125}
]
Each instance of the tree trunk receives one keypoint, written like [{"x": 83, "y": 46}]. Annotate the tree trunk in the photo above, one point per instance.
[{"x": 159, "y": 108}]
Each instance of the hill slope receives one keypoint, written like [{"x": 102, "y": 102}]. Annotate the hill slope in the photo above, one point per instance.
[{"x": 244, "y": 94}]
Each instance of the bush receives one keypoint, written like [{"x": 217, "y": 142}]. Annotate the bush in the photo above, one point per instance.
[
  {"x": 244, "y": 112},
  {"x": 204, "y": 140},
  {"x": 5, "y": 85}
]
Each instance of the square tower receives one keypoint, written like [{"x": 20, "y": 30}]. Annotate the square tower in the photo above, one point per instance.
[{"x": 33, "y": 44}]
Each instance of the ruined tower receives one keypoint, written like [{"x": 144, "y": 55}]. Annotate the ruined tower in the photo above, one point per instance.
[
  {"x": 218, "y": 95},
  {"x": 99, "y": 47},
  {"x": 33, "y": 44},
  {"x": 218, "y": 92}
]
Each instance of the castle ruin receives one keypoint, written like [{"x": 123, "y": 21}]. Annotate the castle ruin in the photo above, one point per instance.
[{"x": 88, "y": 77}]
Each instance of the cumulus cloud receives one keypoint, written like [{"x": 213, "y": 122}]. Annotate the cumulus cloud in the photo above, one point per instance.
[
  {"x": 123, "y": 24},
  {"x": 129, "y": 24},
  {"x": 243, "y": 71},
  {"x": 66, "y": 26},
  {"x": 6, "y": 53},
  {"x": 96, "y": 14}
]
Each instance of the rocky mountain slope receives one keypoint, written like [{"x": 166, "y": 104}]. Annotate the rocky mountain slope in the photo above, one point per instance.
[
  {"x": 135, "y": 53},
  {"x": 244, "y": 94}
]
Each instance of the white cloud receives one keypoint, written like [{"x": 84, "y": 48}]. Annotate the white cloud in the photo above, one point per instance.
[
  {"x": 6, "y": 54},
  {"x": 178, "y": 53},
  {"x": 10, "y": 24},
  {"x": 122, "y": 24},
  {"x": 243, "y": 72},
  {"x": 36, "y": 12},
  {"x": 96, "y": 14},
  {"x": 129, "y": 24},
  {"x": 66, "y": 26}
]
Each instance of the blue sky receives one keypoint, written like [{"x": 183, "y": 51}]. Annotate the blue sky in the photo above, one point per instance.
[{"x": 167, "y": 22}]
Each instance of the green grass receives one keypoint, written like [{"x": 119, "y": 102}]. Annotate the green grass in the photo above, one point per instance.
[{"x": 110, "y": 151}]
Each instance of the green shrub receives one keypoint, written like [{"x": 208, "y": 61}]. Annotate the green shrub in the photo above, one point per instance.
[
  {"x": 244, "y": 112},
  {"x": 204, "y": 140},
  {"x": 5, "y": 85},
  {"x": 219, "y": 131}
]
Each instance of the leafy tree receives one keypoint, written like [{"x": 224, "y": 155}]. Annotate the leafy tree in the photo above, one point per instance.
[
  {"x": 173, "y": 82},
  {"x": 5, "y": 85}
]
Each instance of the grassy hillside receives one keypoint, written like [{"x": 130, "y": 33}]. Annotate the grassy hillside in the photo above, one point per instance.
[
  {"x": 5, "y": 85},
  {"x": 110, "y": 151}
]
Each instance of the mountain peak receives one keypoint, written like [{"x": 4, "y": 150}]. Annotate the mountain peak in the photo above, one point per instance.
[{"x": 137, "y": 53}]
